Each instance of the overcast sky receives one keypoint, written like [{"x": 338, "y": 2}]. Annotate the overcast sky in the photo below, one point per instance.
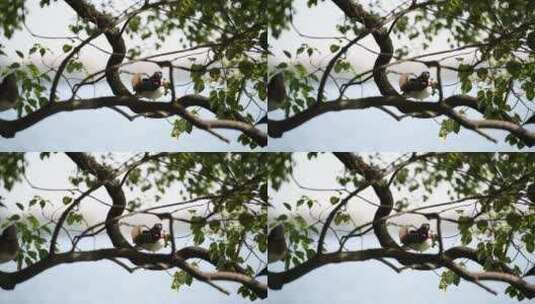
[
  {"x": 369, "y": 129},
  {"x": 103, "y": 129},
  {"x": 369, "y": 281},
  {"x": 99, "y": 282}
]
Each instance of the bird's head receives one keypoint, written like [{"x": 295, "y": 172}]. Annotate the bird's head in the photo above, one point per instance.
[
  {"x": 156, "y": 231},
  {"x": 156, "y": 78},
  {"x": 425, "y": 229},
  {"x": 425, "y": 75}
]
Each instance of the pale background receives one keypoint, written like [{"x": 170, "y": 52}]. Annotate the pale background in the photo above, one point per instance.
[
  {"x": 370, "y": 129},
  {"x": 103, "y": 129},
  {"x": 369, "y": 281},
  {"x": 103, "y": 281}
]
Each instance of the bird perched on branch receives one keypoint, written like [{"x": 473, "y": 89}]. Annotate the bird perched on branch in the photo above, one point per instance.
[
  {"x": 419, "y": 239},
  {"x": 152, "y": 239},
  {"x": 277, "y": 248},
  {"x": 419, "y": 87},
  {"x": 276, "y": 93},
  {"x": 152, "y": 87},
  {"x": 9, "y": 244},
  {"x": 9, "y": 92}
]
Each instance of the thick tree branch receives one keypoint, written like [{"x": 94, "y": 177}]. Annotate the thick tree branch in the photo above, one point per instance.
[
  {"x": 278, "y": 280},
  {"x": 354, "y": 10},
  {"x": 276, "y": 128},
  {"x": 8, "y": 129},
  {"x": 10, "y": 280},
  {"x": 105, "y": 23}
]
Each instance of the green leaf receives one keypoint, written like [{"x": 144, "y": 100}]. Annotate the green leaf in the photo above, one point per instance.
[
  {"x": 67, "y": 48},
  {"x": 288, "y": 54},
  {"x": 67, "y": 200},
  {"x": 334, "y": 48},
  {"x": 334, "y": 200}
]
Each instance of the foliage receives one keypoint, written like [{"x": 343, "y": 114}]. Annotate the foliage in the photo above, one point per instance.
[
  {"x": 221, "y": 199},
  {"x": 489, "y": 45},
  {"x": 489, "y": 197},
  {"x": 219, "y": 45}
]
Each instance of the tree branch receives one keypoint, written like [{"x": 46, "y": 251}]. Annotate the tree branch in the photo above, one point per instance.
[{"x": 8, "y": 128}]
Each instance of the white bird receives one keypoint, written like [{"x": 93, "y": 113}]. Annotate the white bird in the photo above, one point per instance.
[
  {"x": 419, "y": 239},
  {"x": 9, "y": 244},
  {"x": 419, "y": 87},
  {"x": 9, "y": 92},
  {"x": 152, "y": 87},
  {"x": 149, "y": 239}
]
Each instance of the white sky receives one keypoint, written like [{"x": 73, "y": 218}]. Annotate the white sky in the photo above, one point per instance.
[
  {"x": 321, "y": 173},
  {"x": 102, "y": 281},
  {"x": 103, "y": 129},
  {"x": 369, "y": 281},
  {"x": 370, "y": 129},
  {"x": 52, "y": 174}
]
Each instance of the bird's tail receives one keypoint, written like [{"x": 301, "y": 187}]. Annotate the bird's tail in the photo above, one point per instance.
[
  {"x": 263, "y": 120},
  {"x": 262, "y": 272}
]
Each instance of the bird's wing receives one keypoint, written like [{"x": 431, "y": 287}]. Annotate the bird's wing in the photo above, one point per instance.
[
  {"x": 530, "y": 272},
  {"x": 277, "y": 248},
  {"x": 148, "y": 85},
  {"x": 414, "y": 84},
  {"x": 8, "y": 88},
  {"x": 530, "y": 120},
  {"x": 135, "y": 233},
  {"x": 403, "y": 232},
  {"x": 276, "y": 91},
  {"x": 276, "y": 233},
  {"x": 136, "y": 81},
  {"x": 403, "y": 80}
]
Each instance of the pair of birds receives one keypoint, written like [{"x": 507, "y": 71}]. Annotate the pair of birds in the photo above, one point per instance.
[
  {"x": 151, "y": 239},
  {"x": 419, "y": 87},
  {"x": 419, "y": 239},
  {"x": 152, "y": 87}
]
